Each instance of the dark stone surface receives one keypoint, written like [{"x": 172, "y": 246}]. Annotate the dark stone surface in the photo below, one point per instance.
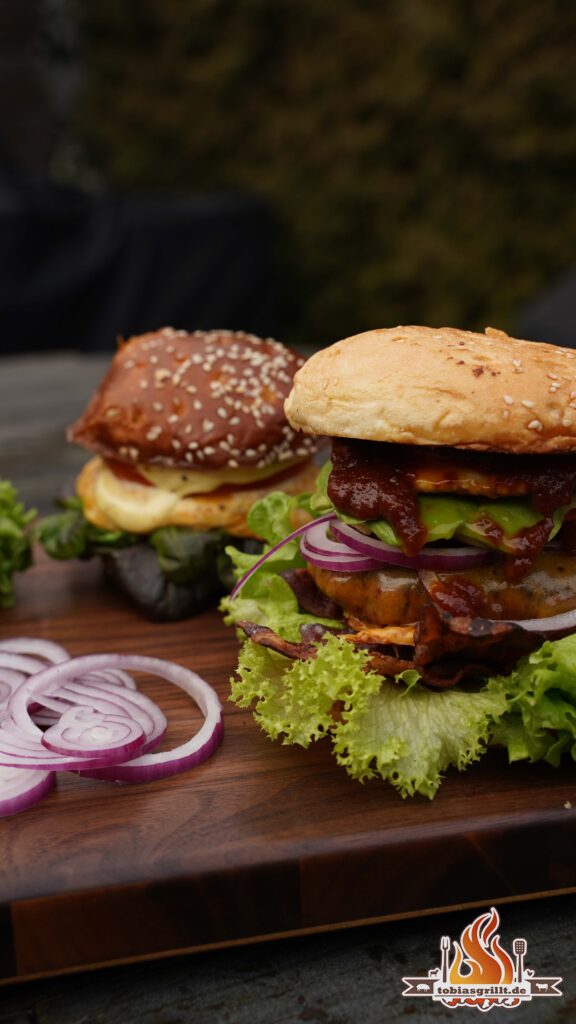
[{"x": 338, "y": 978}]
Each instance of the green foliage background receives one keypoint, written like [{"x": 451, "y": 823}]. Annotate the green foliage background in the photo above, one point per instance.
[{"x": 420, "y": 155}]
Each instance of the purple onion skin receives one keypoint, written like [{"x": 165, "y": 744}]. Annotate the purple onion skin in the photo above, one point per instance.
[{"x": 162, "y": 770}]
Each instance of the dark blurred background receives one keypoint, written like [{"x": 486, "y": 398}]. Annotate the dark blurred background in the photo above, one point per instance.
[{"x": 304, "y": 169}]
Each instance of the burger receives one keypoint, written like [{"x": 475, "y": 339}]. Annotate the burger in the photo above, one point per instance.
[
  {"x": 427, "y": 608},
  {"x": 187, "y": 431}
]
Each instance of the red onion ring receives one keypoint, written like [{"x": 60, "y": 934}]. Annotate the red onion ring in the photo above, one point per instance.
[
  {"x": 143, "y": 768},
  {"x": 84, "y": 730},
  {"x": 46, "y": 649},
  {"x": 321, "y": 551},
  {"x": 23, "y": 745},
  {"x": 444, "y": 558},
  {"x": 264, "y": 558},
  {"x": 20, "y": 790}
]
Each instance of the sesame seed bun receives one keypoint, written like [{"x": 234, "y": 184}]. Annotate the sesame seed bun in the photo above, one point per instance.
[
  {"x": 440, "y": 386},
  {"x": 205, "y": 400}
]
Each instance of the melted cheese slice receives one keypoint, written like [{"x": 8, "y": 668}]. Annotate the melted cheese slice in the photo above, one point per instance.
[
  {"x": 197, "y": 481},
  {"x": 113, "y": 503},
  {"x": 132, "y": 506}
]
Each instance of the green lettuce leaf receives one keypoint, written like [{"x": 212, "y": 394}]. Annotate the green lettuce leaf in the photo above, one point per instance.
[
  {"x": 15, "y": 540},
  {"x": 68, "y": 534},
  {"x": 398, "y": 731},
  {"x": 542, "y": 696}
]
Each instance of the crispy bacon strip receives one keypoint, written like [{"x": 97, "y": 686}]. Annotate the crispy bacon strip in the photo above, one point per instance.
[
  {"x": 442, "y": 642},
  {"x": 447, "y": 648},
  {"x": 384, "y": 663},
  {"x": 402, "y": 635},
  {"x": 268, "y": 638}
]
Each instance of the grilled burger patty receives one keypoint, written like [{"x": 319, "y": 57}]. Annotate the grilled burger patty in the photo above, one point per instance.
[{"x": 392, "y": 595}]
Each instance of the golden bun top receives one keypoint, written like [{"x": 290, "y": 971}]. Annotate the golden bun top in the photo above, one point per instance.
[
  {"x": 440, "y": 386},
  {"x": 203, "y": 400}
]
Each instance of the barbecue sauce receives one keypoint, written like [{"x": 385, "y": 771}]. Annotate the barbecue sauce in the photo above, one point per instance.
[{"x": 371, "y": 480}]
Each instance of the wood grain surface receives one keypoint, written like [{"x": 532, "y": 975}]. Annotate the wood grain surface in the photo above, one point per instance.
[{"x": 260, "y": 840}]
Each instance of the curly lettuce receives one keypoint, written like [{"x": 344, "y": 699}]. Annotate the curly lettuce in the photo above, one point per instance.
[{"x": 15, "y": 540}]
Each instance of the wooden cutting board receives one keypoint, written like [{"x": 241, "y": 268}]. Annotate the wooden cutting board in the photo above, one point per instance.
[{"x": 261, "y": 840}]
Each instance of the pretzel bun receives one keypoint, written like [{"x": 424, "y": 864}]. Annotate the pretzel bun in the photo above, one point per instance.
[
  {"x": 201, "y": 400},
  {"x": 440, "y": 386}
]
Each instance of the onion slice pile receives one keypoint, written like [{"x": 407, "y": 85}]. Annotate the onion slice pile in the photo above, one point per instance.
[{"x": 97, "y": 722}]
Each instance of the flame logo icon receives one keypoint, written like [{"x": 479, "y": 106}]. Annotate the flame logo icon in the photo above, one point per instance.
[
  {"x": 484, "y": 960},
  {"x": 479, "y": 950}
]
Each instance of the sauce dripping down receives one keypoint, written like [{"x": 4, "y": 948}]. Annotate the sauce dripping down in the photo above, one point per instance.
[{"x": 372, "y": 480}]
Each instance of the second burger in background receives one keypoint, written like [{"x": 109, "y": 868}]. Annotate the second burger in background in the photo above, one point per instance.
[{"x": 187, "y": 431}]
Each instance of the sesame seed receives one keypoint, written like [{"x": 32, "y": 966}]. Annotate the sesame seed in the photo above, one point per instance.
[
  {"x": 153, "y": 433},
  {"x": 527, "y": 403},
  {"x": 508, "y": 399},
  {"x": 157, "y": 406},
  {"x": 193, "y": 446},
  {"x": 143, "y": 384},
  {"x": 197, "y": 404},
  {"x": 553, "y": 376},
  {"x": 232, "y": 463},
  {"x": 209, "y": 450},
  {"x": 207, "y": 425},
  {"x": 517, "y": 362},
  {"x": 129, "y": 364},
  {"x": 567, "y": 421},
  {"x": 176, "y": 444},
  {"x": 191, "y": 389},
  {"x": 534, "y": 425},
  {"x": 223, "y": 413},
  {"x": 173, "y": 418}
]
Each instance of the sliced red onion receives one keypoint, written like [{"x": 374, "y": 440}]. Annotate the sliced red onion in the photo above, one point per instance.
[
  {"x": 444, "y": 558},
  {"x": 19, "y": 790},
  {"x": 88, "y": 731},
  {"x": 9, "y": 681},
  {"x": 324, "y": 553},
  {"x": 22, "y": 747},
  {"x": 19, "y": 729},
  {"x": 46, "y": 649},
  {"x": 264, "y": 558},
  {"x": 43, "y": 715}
]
